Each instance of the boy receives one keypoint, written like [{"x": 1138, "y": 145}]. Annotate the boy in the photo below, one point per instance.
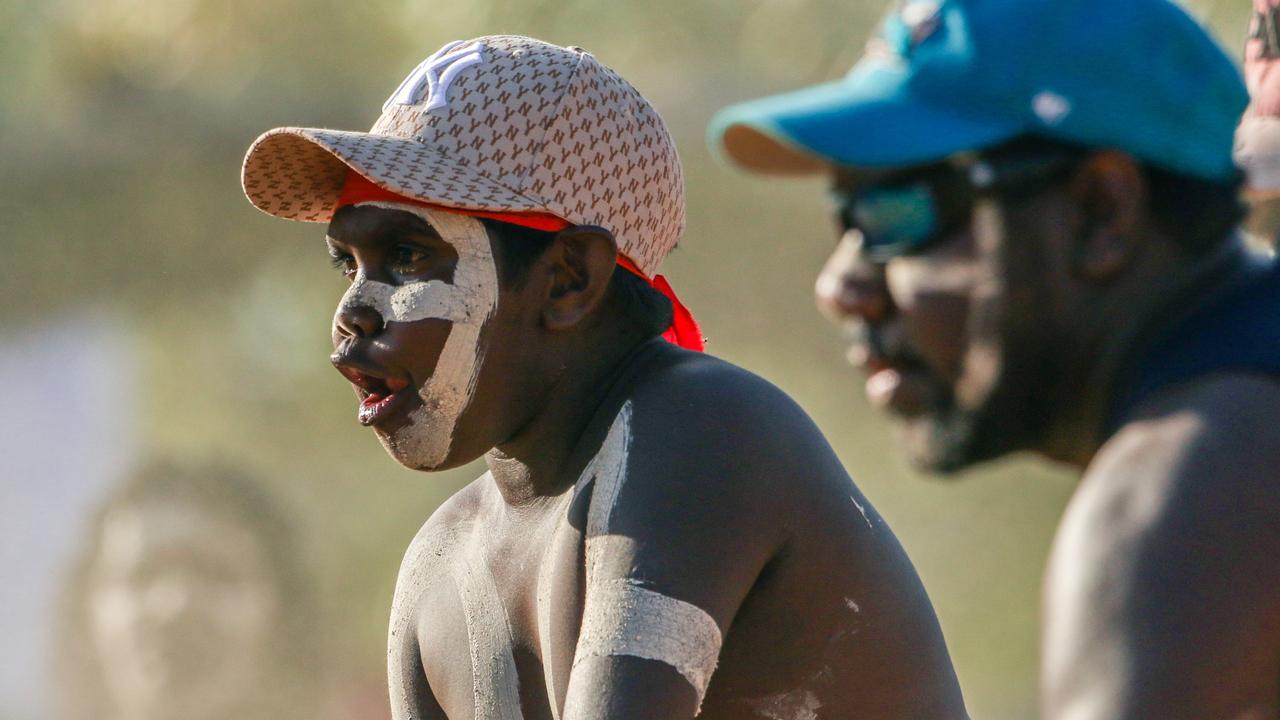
[{"x": 658, "y": 533}]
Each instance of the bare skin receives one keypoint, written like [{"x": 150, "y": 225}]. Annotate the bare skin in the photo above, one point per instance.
[
  {"x": 1009, "y": 335},
  {"x": 732, "y": 504},
  {"x": 1160, "y": 597}
]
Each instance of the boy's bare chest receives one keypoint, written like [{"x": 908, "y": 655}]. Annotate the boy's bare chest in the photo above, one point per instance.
[{"x": 492, "y": 629}]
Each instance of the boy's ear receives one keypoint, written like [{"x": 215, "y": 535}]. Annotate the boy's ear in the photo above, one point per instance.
[
  {"x": 1110, "y": 192},
  {"x": 579, "y": 265}
]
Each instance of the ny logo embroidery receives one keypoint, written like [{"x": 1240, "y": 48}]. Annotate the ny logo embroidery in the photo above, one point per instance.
[{"x": 428, "y": 76}]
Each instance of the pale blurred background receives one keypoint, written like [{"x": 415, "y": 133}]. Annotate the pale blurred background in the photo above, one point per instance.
[{"x": 146, "y": 310}]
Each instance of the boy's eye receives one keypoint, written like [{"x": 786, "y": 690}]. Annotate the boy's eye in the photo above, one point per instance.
[
  {"x": 344, "y": 262},
  {"x": 408, "y": 259}
]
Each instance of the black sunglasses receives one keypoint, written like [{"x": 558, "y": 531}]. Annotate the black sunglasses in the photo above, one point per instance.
[{"x": 905, "y": 215}]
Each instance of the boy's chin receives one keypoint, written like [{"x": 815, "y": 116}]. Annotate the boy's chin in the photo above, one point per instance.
[{"x": 406, "y": 449}]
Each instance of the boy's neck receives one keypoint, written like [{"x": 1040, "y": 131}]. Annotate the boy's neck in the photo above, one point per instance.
[{"x": 536, "y": 463}]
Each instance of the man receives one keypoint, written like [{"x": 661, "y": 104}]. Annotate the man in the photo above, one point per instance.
[
  {"x": 658, "y": 532},
  {"x": 1038, "y": 202}
]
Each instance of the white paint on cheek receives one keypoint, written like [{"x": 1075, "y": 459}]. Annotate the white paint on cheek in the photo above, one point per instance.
[
  {"x": 468, "y": 303},
  {"x": 495, "y": 682},
  {"x": 621, "y": 617}
]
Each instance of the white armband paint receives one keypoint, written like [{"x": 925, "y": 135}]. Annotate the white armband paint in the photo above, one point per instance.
[{"x": 623, "y": 618}]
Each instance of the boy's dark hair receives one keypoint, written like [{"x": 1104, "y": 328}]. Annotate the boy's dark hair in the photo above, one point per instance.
[
  {"x": 521, "y": 246},
  {"x": 1198, "y": 214}
]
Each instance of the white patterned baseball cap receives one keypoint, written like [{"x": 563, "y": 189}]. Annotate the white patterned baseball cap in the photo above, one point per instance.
[{"x": 498, "y": 124}]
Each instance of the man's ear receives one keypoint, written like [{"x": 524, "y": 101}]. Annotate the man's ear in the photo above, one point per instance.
[
  {"x": 579, "y": 265},
  {"x": 1110, "y": 193}
]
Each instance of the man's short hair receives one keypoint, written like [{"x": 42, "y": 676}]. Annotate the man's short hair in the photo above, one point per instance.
[{"x": 522, "y": 246}]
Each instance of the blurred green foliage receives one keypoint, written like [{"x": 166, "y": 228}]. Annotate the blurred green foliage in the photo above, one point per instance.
[{"x": 122, "y": 126}]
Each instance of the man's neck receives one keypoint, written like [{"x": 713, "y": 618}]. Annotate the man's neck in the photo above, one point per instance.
[
  {"x": 1139, "y": 319},
  {"x": 537, "y": 462}
]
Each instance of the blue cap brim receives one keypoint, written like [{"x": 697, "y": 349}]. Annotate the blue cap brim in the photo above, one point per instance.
[{"x": 869, "y": 119}]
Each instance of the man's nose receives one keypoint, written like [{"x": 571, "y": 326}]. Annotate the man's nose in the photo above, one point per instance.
[
  {"x": 849, "y": 285},
  {"x": 356, "y": 321}
]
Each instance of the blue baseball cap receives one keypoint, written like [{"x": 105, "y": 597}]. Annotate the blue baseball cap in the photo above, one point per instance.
[{"x": 948, "y": 76}]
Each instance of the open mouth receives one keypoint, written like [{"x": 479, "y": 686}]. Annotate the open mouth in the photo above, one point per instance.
[{"x": 380, "y": 397}]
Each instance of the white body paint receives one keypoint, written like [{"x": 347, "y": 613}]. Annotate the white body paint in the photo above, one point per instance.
[
  {"x": 467, "y": 302},
  {"x": 622, "y": 618},
  {"x": 798, "y": 704},
  {"x": 422, "y": 562},
  {"x": 495, "y": 682},
  {"x": 552, "y": 559}
]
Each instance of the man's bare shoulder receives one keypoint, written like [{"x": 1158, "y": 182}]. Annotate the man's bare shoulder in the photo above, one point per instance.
[
  {"x": 1218, "y": 436},
  {"x": 1161, "y": 593}
]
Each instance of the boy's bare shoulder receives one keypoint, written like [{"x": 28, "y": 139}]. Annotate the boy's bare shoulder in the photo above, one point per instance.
[
  {"x": 700, "y": 420},
  {"x": 704, "y": 404},
  {"x": 433, "y": 545}
]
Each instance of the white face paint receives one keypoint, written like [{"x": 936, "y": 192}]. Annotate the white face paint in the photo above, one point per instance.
[{"x": 468, "y": 302}]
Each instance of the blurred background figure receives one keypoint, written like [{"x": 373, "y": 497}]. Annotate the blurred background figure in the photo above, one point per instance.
[
  {"x": 188, "y": 601},
  {"x": 1258, "y": 138}
]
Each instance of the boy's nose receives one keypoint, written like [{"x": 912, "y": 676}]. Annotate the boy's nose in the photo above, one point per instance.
[
  {"x": 357, "y": 321},
  {"x": 849, "y": 285}
]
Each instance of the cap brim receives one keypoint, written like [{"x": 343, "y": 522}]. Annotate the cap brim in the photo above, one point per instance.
[
  {"x": 870, "y": 119},
  {"x": 298, "y": 174}
]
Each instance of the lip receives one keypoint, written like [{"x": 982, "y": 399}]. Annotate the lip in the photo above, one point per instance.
[
  {"x": 892, "y": 387},
  {"x": 384, "y": 396}
]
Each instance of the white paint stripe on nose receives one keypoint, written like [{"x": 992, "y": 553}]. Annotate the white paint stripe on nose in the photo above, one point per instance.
[{"x": 412, "y": 301}]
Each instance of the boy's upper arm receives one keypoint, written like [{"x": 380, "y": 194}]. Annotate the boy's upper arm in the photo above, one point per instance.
[
  {"x": 1163, "y": 594},
  {"x": 678, "y": 530}
]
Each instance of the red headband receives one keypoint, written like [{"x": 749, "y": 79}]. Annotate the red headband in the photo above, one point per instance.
[{"x": 684, "y": 330}]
